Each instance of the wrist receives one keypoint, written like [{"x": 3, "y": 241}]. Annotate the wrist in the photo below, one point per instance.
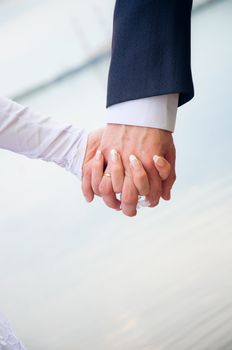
[
  {"x": 129, "y": 138},
  {"x": 135, "y": 128}
]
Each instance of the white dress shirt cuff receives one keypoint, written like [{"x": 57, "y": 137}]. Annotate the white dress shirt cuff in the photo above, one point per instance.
[{"x": 154, "y": 112}]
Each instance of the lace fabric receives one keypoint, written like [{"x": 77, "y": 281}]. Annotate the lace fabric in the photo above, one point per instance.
[{"x": 8, "y": 340}]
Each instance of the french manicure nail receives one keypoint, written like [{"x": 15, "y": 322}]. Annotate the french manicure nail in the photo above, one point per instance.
[
  {"x": 114, "y": 155},
  {"x": 134, "y": 161},
  {"x": 159, "y": 161},
  {"x": 98, "y": 155}
]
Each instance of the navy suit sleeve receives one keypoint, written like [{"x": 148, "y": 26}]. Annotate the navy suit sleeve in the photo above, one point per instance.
[{"x": 151, "y": 50}]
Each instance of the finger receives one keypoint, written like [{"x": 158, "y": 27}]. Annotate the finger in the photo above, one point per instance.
[
  {"x": 139, "y": 175},
  {"x": 129, "y": 197},
  {"x": 86, "y": 185},
  {"x": 116, "y": 170},
  {"x": 97, "y": 172},
  {"x": 155, "y": 185},
  {"x": 168, "y": 184},
  {"x": 107, "y": 193},
  {"x": 163, "y": 167}
]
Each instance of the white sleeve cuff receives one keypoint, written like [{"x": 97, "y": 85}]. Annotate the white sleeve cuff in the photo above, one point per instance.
[{"x": 155, "y": 112}]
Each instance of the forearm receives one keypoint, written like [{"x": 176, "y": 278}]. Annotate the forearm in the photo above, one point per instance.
[{"x": 36, "y": 136}]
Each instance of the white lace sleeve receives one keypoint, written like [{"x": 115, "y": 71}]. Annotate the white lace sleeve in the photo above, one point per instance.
[
  {"x": 8, "y": 340},
  {"x": 33, "y": 135}
]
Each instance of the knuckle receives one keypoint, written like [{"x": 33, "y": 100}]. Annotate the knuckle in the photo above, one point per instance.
[
  {"x": 129, "y": 201},
  {"x": 117, "y": 188},
  {"x": 104, "y": 189},
  {"x": 156, "y": 188},
  {"x": 144, "y": 192},
  {"x": 154, "y": 203},
  {"x": 95, "y": 183},
  {"x": 154, "y": 197},
  {"x": 157, "y": 196},
  {"x": 129, "y": 212},
  {"x": 141, "y": 176},
  {"x": 96, "y": 190},
  {"x": 110, "y": 204},
  {"x": 116, "y": 167}
]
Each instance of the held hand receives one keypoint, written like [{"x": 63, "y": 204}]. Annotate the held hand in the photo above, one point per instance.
[
  {"x": 139, "y": 175},
  {"x": 143, "y": 143}
]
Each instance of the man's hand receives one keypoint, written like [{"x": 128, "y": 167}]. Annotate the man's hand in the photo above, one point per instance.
[{"x": 144, "y": 143}]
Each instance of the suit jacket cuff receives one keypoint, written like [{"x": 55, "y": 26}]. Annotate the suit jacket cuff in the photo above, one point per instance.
[{"x": 154, "y": 112}]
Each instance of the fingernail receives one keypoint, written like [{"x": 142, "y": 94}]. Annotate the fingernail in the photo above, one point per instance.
[
  {"x": 98, "y": 155},
  {"x": 134, "y": 161},
  {"x": 159, "y": 161},
  {"x": 114, "y": 155}
]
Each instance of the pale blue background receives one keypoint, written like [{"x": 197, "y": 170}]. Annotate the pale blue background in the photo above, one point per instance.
[{"x": 77, "y": 276}]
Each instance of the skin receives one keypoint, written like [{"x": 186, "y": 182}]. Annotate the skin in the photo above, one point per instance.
[
  {"x": 136, "y": 181},
  {"x": 144, "y": 143},
  {"x": 94, "y": 141}
]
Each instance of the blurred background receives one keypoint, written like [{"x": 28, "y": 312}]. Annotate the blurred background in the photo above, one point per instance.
[{"x": 77, "y": 276}]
